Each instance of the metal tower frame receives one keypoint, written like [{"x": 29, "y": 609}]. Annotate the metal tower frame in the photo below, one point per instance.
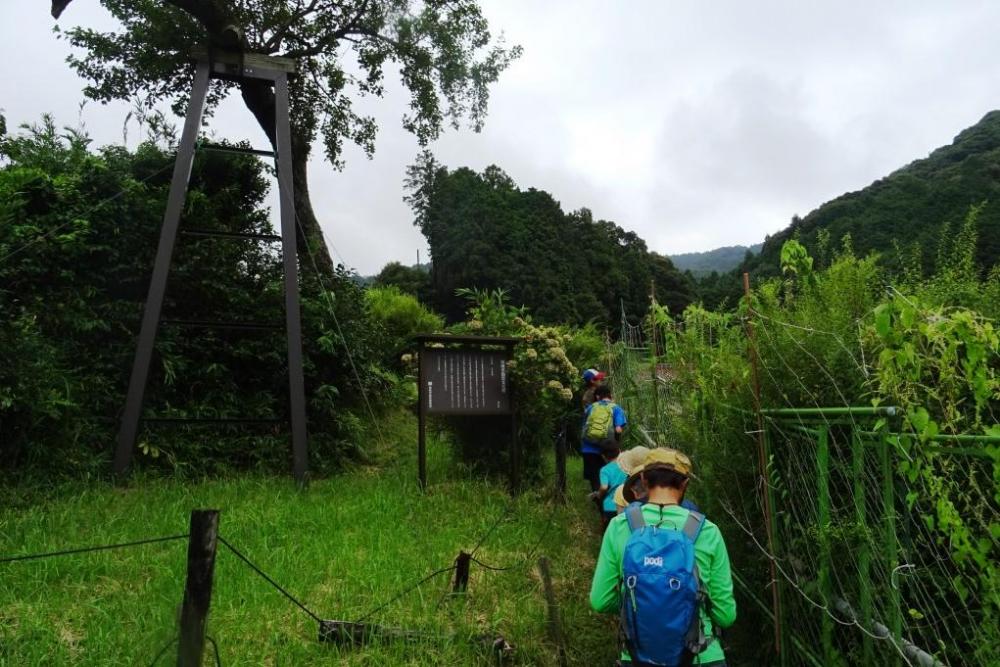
[{"x": 224, "y": 66}]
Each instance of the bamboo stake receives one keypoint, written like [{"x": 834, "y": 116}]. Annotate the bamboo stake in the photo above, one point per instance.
[{"x": 762, "y": 456}]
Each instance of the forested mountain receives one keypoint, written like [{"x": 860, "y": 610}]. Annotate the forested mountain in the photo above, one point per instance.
[
  {"x": 906, "y": 214},
  {"x": 485, "y": 232},
  {"x": 720, "y": 259}
]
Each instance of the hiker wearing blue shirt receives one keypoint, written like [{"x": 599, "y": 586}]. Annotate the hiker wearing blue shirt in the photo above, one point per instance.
[
  {"x": 602, "y": 420},
  {"x": 592, "y": 379},
  {"x": 611, "y": 477}
]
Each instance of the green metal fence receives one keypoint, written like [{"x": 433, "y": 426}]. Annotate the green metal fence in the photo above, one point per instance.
[{"x": 863, "y": 576}]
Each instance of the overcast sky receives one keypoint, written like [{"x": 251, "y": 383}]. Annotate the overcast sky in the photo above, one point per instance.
[{"x": 694, "y": 124}]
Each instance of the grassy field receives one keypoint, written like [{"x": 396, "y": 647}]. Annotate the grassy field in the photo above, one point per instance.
[{"x": 344, "y": 546}]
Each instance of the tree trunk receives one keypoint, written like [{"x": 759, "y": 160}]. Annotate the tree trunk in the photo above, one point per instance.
[{"x": 259, "y": 98}]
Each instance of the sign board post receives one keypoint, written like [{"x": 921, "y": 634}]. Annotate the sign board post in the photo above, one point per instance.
[{"x": 465, "y": 376}]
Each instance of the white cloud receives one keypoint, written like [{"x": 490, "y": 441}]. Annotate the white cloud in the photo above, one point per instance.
[{"x": 693, "y": 124}]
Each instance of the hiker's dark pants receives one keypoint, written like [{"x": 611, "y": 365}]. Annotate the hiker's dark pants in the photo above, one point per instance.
[{"x": 592, "y": 464}]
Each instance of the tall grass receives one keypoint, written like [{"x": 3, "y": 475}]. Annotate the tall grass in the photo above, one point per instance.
[{"x": 343, "y": 546}]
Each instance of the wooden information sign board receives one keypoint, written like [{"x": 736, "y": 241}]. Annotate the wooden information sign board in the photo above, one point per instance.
[
  {"x": 464, "y": 381},
  {"x": 465, "y": 375}
]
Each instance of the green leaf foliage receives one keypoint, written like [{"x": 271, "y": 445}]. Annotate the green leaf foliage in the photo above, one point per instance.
[
  {"x": 486, "y": 233},
  {"x": 847, "y": 334},
  {"x": 412, "y": 280},
  {"x": 544, "y": 373},
  {"x": 401, "y": 316},
  {"x": 78, "y": 231}
]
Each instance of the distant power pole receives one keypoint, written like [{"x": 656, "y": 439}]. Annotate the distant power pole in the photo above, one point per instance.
[{"x": 418, "y": 258}]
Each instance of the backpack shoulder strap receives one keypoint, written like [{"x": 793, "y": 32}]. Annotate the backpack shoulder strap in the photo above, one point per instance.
[
  {"x": 633, "y": 512},
  {"x": 692, "y": 527}
]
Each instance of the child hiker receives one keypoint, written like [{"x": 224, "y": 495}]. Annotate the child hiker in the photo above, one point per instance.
[{"x": 611, "y": 477}]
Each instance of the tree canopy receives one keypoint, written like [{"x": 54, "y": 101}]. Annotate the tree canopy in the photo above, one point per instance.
[
  {"x": 444, "y": 51},
  {"x": 412, "y": 280},
  {"x": 486, "y": 233}
]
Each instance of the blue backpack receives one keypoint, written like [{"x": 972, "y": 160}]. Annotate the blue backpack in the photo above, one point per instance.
[{"x": 662, "y": 595}]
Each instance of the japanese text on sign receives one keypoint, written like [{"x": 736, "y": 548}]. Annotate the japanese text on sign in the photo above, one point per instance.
[{"x": 465, "y": 381}]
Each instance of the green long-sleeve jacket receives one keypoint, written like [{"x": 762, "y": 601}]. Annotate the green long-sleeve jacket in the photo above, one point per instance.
[{"x": 713, "y": 568}]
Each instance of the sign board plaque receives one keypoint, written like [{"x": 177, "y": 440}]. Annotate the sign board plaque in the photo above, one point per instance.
[
  {"x": 464, "y": 381},
  {"x": 465, "y": 376}
]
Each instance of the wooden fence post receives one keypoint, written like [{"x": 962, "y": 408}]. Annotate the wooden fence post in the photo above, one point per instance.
[
  {"x": 763, "y": 456},
  {"x": 421, "y": 421},
  {"x": 561, "y": 465},
  {"x": 198, "y": 588},
  {"x": 555, "y": 625},
  {"x": 461, "y": 583}
]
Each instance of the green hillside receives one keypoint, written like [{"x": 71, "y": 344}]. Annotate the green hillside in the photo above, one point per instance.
[
  {"x": 913, "y": 205},
  {"x": 718, "y": 259},
  {"x": 910, "y": 211},
  {"x": 485, "y": 232}
]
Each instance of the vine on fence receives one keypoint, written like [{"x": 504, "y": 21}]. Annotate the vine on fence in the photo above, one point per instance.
[
  {"x": 911, "y": 513},
  {"x": 939, "y": 366}
]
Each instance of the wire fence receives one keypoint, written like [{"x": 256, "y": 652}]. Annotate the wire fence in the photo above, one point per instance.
[{"x": 496, "y": 643}]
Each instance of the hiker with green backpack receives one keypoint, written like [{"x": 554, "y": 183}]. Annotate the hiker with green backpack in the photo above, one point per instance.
[{"x": 602, "y": 420}]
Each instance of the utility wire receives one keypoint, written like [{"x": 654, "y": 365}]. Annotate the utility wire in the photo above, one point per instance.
[
  {"x": 163, "y": 650},
  {"x": 319, "y": 276},
  {"x": 103, "y": 547},
  {"x": 218, "y": 660},
  {"x": 499, "y": 520},
  {"x": 490, "y": 567}
]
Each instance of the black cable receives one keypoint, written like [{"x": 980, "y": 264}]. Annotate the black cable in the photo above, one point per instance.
[
  {"x": 490, "y": 567},
  {"x": 162, "y": 651},
  {"x": 104, "y": 547},
  {"x": 503, "y": 515},
  {"x": 510, "y": 506},
  {"x": 406, "y": 590},
  {"x": 268, "y": 579},
  {"x": 218, "y": 661}
]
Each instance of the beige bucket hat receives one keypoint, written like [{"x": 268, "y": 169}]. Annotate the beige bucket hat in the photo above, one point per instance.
[{"x": 661, "y": 457}]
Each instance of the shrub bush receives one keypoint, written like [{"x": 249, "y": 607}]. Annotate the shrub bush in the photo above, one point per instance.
[
  {"x": 543, "y": 377},
  {"x": 401, "y": 316}
]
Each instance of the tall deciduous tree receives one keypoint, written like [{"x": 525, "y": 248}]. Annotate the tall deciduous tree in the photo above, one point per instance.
[{"x": 443, "y": 50}]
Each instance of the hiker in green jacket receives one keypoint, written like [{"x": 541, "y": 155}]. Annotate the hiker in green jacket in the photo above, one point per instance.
[{"x": 666, "y": 474}]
